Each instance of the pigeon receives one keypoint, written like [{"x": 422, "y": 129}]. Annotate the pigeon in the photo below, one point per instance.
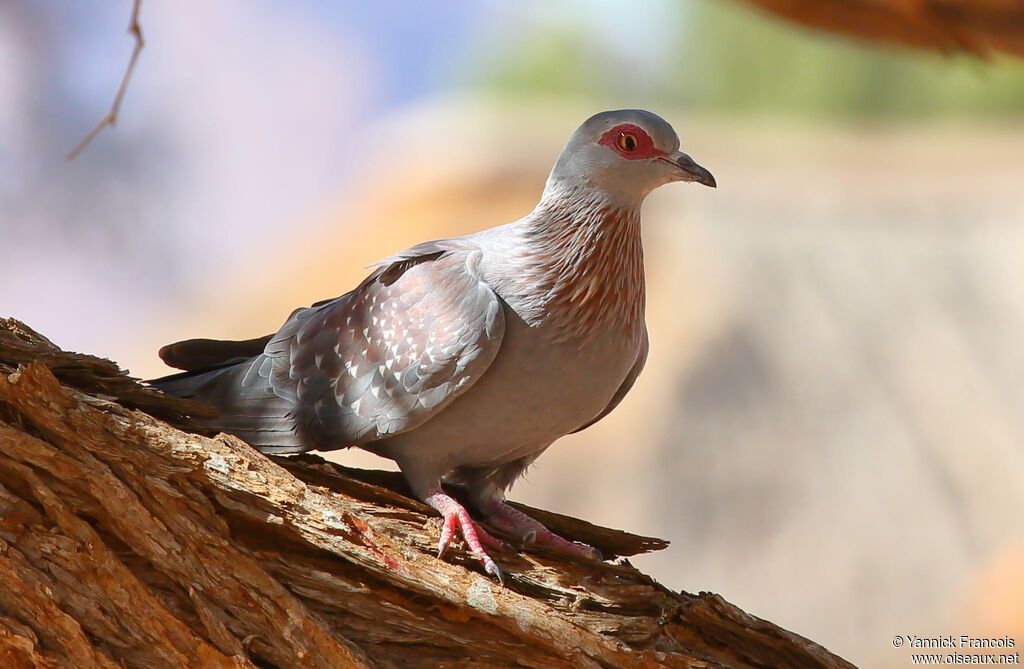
[{"x": 463, "y": 359}]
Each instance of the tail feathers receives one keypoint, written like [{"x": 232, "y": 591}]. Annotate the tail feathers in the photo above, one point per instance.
[
  {"x": 186, "y": 384},
  {"x": 252, "y": 412},
  {"x": 204, "y": 354}
]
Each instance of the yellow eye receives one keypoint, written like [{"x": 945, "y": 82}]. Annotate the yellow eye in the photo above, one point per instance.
[{"x": 627, "y": 141}]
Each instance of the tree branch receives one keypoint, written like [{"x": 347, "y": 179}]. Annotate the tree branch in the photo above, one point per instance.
[
  {"x": 127, "y": 541},
  {"x": 111, "y": 116},
  {"x": 980, "y": 27}
]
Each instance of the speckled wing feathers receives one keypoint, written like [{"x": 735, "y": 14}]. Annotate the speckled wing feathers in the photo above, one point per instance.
[{"x": 387, "y": 356}]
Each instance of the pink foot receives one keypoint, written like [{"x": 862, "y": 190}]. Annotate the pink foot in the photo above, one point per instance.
[
  {"x": 517, "y": 523},
  {"x": 475, "y": 536}
]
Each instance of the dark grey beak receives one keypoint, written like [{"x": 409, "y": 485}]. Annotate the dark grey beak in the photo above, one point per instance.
[{"x": 691, "y": 170}]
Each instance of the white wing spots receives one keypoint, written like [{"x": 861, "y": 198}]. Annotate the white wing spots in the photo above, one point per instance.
[{"x": 400, "y": 350}]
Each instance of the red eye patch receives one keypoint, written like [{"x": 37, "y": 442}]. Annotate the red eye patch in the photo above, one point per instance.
[{"x": 630, "y": 142}]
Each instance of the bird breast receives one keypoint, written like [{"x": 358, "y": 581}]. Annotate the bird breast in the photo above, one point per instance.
[{"x": 586, "y": 275}]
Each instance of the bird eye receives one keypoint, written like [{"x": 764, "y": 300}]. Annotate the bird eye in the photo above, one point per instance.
[{"x": 627, "y": 141}]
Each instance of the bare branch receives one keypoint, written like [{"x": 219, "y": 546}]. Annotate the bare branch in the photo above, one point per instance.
[
  {"x": 111, "y": 116},
  {"x": 125, "y": 542}
]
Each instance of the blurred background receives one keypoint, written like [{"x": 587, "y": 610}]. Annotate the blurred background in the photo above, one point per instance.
[{"x": 831, "y": 422}]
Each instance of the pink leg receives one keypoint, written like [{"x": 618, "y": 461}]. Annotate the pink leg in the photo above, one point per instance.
[
  {"x": 475, "y": 536},
  {"x": 517, "y": 523}
]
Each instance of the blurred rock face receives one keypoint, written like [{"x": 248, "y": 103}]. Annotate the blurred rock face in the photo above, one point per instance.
[{"x": 829, "y": 428}]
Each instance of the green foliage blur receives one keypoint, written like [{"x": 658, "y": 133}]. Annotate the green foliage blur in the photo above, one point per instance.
[{"x": 729, "y": 57}]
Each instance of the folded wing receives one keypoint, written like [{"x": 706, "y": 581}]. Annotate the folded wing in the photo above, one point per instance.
[{"x": 377, "y": 361}]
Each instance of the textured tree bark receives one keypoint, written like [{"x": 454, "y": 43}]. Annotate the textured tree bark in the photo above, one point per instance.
[
  {"x": 977, "y": 26},
  {"x": 132, "y": 540}
]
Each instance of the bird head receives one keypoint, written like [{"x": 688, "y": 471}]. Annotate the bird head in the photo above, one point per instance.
[{"x": 625, "y": 154}]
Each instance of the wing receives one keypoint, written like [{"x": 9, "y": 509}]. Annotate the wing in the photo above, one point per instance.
[
  {"x": 624, "y": 387},
  {"x": 386, "y": 357}
]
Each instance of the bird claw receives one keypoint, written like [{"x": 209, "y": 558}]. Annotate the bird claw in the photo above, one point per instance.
[
  {"x": 491, "y": 568},
  {"x": 447, "y": 532},
  {"x": 475, "y": 536},
  {"x": 574, "y": 548},
  {"x": 508, "y": 518},
  {"x": 530, "y": 531}
]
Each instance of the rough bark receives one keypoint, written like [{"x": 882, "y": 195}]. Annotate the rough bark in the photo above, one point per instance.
[
  {"x": 977, "y": 26},
  {"x": 126, "y": 540}
]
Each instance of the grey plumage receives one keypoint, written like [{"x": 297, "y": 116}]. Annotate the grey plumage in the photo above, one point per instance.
[
  {"x": 466, "y": 358},
  {"x": 374, "y": 362}
]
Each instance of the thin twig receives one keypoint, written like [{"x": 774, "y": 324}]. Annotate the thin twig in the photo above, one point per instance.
[{"x": 111, "y": 116}]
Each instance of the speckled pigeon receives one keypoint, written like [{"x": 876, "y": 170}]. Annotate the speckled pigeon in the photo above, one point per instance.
[{"x": 464, "y": 359}]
